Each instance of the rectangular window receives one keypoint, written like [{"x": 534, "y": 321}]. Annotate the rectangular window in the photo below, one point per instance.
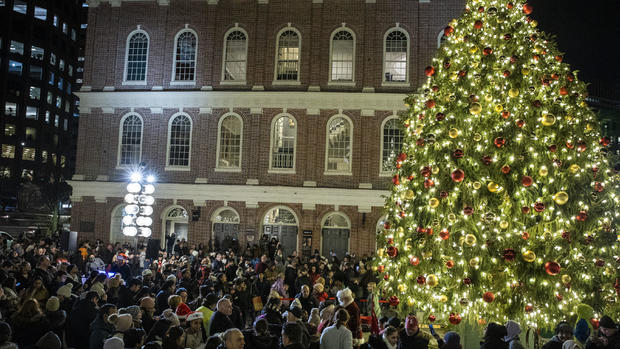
[
  {"x": 31, "y": 133},
  {"x": 20, "y": 6},
  {"x": 83, "y": 25},
  {"x": 2, "y": 3},
  {"x": 60, "y": 83},
  {"x": 36, "y": 72},
  {"x": 65, "y": 124},
  {"x": 47, "y": 116},
  {"x": 55, "y": 142},
  {"x": 67, "y": 106},
  {"x": 35, "y": 93},
  {"x": 44, "y": 156},
  {"x": 70, "y": 70},
  {"x": 80, "y": 69},
  {"x": 52, "y": 59},
  {"x": 61, "y": 65},
  {"x": 37, "y": 53},
  {"x": 56, "y": 123},
  {"x": 50, "y": 98},
  {"x": 5, "y": 172},
  {"x": 40, "y": 13},
  {"x": 73, "y": 34},
  {"x": 55, "y": 21},
  {"x": 8, "y": 151},
  {"x": 17, "y": 47},
  {"x": 9, "y": 130},
  {"x": 28, "y": 174},
  {"x": 54, "y": 159},
  {"x": 32, "y": 112},
  {"x": 10, "y": 109},
  {"x": 68, "y": 88},
  {"x": 58, "y": 102},
  {"x": 15, "y": 67},
  {"x": 29, "y": 154},
  {"x": 62, "y": 161},
  {"x": 51, "y": 79},
  {"x": 65, "y": 28}
]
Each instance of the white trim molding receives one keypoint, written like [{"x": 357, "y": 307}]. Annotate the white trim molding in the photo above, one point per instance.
[{"x": 169, "y": 167}]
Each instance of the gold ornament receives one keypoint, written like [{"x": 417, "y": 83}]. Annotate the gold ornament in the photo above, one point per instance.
[
  {"x": 476, "y": 185},
  {"x": 543, "y": 171},
  {"x": 380, "y": 252},
  {"x": 477, "y": 137},
  {"x": 409, "y": 194},
  {"x": 574, "y": 168},
  {"x": 402, "y": 288},
  {"x": 548, "y": 119},
  {"x": 453, "y": 133},
  {"x": 570, "y": 118},
  {"x": 470, "y": 239},
  {"x": 435, "y": 169},
  {"x": 513, "y": 92},
  {"x": 433, "y": 202},
  {"x": 427, "y": 254},
  {"x": 589, "y": 127},
  {"x": 432, "y": 280},
  {"x": 451, "y": 217},
  {"x": 499, "y": 108},
  {"x": 400, "y": 230},
  {"x": 547, "y": 235},
  {"x": 488, "y": 97},
  {"x": 560, "y": 198},
  {"x": 529, "y": 256},
  {"x": 474, "y": 263},
  {"x": 473, "y": 49},
  {"x": 475, "y": 109},
  {"x": 608, "y": 271},
  {"x": 504, "y": 225},
  {"x": 525, "y": 71},
  {"x": 419, "y": 129},
  {"x": 408, "y": 244},
  {"x": 493, "y": 187},
  {"x": 410, "y": 301},
  {"x": 566, "y": 278},
  {"x": 534, "y": 23},
  {"x": 443, "y": 298}
]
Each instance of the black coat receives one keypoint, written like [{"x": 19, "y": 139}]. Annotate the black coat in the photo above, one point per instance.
[
  {"x": 254, "y": 341},
  {"x": 494, "y": 344},
  {"x": 161, "y": 301},
  {"x": 219, "y": 323},
  {"x": 78, "y": 329},
  {"x": 126, "y": 297},
  {"x": 375, "y": 341},
  {"x": 27, "y": 332},
  {"x": 613, "y": 342},
  {"x": 553, "y": 344}
]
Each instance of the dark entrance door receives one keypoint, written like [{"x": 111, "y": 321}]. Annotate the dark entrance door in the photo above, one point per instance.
[
  {"x": 286, "y": 234},
  {"x": 335, "y": 240}
]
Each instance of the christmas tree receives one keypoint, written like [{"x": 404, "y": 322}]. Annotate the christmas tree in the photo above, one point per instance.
[{"x": 503, "y": 205}]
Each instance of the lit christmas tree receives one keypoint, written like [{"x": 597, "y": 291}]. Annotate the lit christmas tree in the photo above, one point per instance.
[{"x": 503, "y": 204}]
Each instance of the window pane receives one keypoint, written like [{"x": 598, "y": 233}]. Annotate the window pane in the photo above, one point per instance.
[
  {"x": 185, "y": 59},
  {"x": 31, "y": 133},
  {"x": 342, "y": 56},
  {"x": 339, "y": 145},
  {"x": 44, "y": 156},
  {"x": 37, "y": 53},
  {"x": 35, "y": 92},
  {"x": 9, "y": 130},
  {"x": 73, "y": 35},
  {"x": 17, "y": 47},
  {"x": 47, "y": 116},
  {"x": 10, "y": 109},
  {"x": 58, "y": 102},
  {"x": 230, "y": 142},
  {"x": 396, "y": 57},
  {"x": 131, "y": 140},
  {"x": 51, "y": 79},
  {"x": 288, "y": 56},
  {"x": 61, "y": 65},
  {"x": 65, "y": 28},
  {"x": 65, "y": 124},
  {"x": 32, "y": 112},
  {"x": 56, "y": 123},
  {"x": 236, "y": 55},
  {"x": 180, "y": 133},
  {"x": 29, "y": 154},
  {"x": 8, "y": 151},
  {"x": 60, "y": 83},
  {"x": 15, "y": 67},
  {"x": 40, "y": 13},
  {"x": 283, "y": 151},
  {"x": 392, "y": 144},
  {"x": 5, "y": 172},
  {"x": 36, "y": 72},
  {"x": 56, "y": 21},
  {"x": 20, "y": 6},
  {"x": 70, "y": 70},
  {"x": 137, "y": 52}
]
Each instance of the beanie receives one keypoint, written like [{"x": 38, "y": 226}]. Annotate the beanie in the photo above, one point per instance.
[
  {"x": 183, "y": 310},
  {"x": 113, "y": 343},
  {"x": 147, "y": 302},
  {"x": 122, "y": 322},
  {"x": 607, "y": 322},
  {"x": 194, "y": 316},
  {"x": 132, "y": 310},
  {"x": 49, "y": 341},
  {"x": 169, "y": 315},
  {"x": 65, "y": 290},
  {"x": 147, "y": 272},
  {"x": 582, "y": 330},
  {"x": 452, "y": 340},
  {"x": 53, "y": 304}
]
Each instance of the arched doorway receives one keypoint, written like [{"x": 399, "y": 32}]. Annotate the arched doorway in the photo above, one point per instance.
[
  {"x": 280, "y": 222},
  {"x": 224, "y": 228},
  {"x": 335, "y": 231},
  {"x": 175, "y": 220}
]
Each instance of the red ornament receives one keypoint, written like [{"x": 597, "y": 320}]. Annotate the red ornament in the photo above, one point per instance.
[
  {"x": 402, "y": 157},
  {"x": 481, "y": 9},
  {"x": 505, "y": 169},
  {"x": 381, "y": 268},
  {"x": 594, "y": 169},
  {"x": 394, "y": 301},
  {"x": 529, "y": 308},
  {"x": 426, "y": 171},
  {"x": 454, "y": 319},
  {"x": 499, "y": 142},
  {"x": 599, "y": 263},
  {"x": 555, "y": 76},
  {"x": 396, "y": 180},
  {"x": 458, "y": 175},
  {"x": 457, "y": 154},
  {"x": 448, "y": 31},
  {"x": 450, "y": 264},
  {"x": 467, "y": 281},
  {"x": 545, "y": 82},
  {"x": 559, "y": 297},
  {"x": 539, "y": 207},
  {"x": 509, "y": 255},
  {"x": 429, "y": 231},
  {"x": 488, "y": 297},
  {"x": 487, "y": 160},
  {"x": 553, "y": 268},
  {"x": 582, "y": 216},
  {"x": 429, "y": 71},
  {"x": 440, "y": 116},
  {"x": 386, "y": 277},
  {"x": 420, "y": 230},
  {"x": 563, "y": 91},
  {"x": 403, "y": 214},
  {"x": 537, "y": 103},
  {"x": 428, "y": 183},
  {"x": 421, "y": 280},
  {"x": 505, "y": 114},
  {"x": 581, "y": 146},
  {"x": 435, "y": 88},
  {"x": 525, "y": 209},
  {"x": 566, "y": 235},
  {"x": 420, "y": 142},
  {"x": 390, "y": 241},
  {"x": 410, "y": 177},
  {"x": 510, "y": 5},
  {"x": 430, "y": 103},
  {"x": 444, "y": 234},
  {"x": 487, "y": 51},
  {"x": 414, "y": 261},
  {"x": 527, "y": 9},
  {"x": 595, "y": 323},
  {"x": 604, "y": 141},
  {"x": 386, "y": 225},
  {"x": 478, "y": 24},
  {"x": 570, "y": 77},
  {"x": 598, "y": 187},
  {"x": 558, "y": 58},
  {"x": 462, "y": 73},
  {"x": 468, "y": 210},
  {"x": 513, "y": 59},
  {"x": 506, "y": 73},
  {"x": 507, "y": 36},
  {"x": 520, "y": 123},
  {"x": 525, "y": 235},
  {"x": 553, "y": 148},
  {"x": 443, "y": 194},
  {"x": 432, "y": 318},
  {"x": 570, "y": 145},
  {"x": 527, "y": 181}
]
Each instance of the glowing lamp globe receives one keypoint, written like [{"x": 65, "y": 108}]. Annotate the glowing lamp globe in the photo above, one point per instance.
[
  {"x": 130, "y": 231},
  {"x": 148, "y": 189},
  {"x": 146, "y": 210},
  {"x": 131, "y": 209},
  {"x": 130, "y": 199},
  {"x": 145, "y": 232},
  {"x": 134, "y": 187},
  {"x": 128, "y": 220}
]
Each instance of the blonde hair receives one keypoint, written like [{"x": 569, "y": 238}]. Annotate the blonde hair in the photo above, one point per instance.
[{"x": 174, "y": 301}]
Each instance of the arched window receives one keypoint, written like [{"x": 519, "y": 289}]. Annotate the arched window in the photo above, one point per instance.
[
  {"x": 288, "y": 55},
  {"x": 391, "y": 143},
  {"x": 175, "y": 221},
  {"x": 225, "y": 224},
  {"x": 137, "y": 57},
  {"x": 336, "y": 230},
  {"x": 130, "y": 140},
  {"x": 339, "y": 145},
  {"x": 283, "y": 141},
  {"x": 441, "y": 38},
  {"x": 179, "y": 140},
  {"x": 235, "y": 56},
  {"x": 396, "y": 56},
  {"x": 116, "y": 222},
  {"x": 281, "y": 223},
  {"x": 185, "y": 56},
  {"x": 342, "y": 55},
  {"x": 230, "y": 133}
]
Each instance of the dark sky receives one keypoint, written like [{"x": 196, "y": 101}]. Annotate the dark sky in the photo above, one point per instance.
[{"x": 588, "y": 32}]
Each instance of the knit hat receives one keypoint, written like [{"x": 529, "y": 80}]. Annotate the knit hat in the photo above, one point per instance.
[
  {"x": 65, "y": 290},
  {"x": 570, "y": 344},
  {"x": 132, "y": 310},
  {"x": 113, "y": 343},
  {"x": 169, "y": 315},
  {"x": 147, "y": 302},
  {"x": 582, "y": 330},
  {"x": 495, "y": 330},
  {"x": 607, "y": 322},
  {"x": 452, "y": 340},
  {"x": 194, "y": 316},
  {"x": 98, "y": 287},
  {"x": 183, "y": 310},
  {"x": 49, "y": 341},
  {"x": 147, "y": 272},
  {"x": 122, "y": 322},
  {"x": 53, "y": 304}
]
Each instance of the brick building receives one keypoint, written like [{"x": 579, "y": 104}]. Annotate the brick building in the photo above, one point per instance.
[{"x": 272, "y": 117}]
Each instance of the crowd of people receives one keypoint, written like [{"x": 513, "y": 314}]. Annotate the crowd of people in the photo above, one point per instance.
[{"x": 105, "y": 296}]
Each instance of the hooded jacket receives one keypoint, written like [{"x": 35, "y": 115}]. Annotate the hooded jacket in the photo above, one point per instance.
[
  {"x": 512, "y": 338},
  {"x": 100, "y": 330}
]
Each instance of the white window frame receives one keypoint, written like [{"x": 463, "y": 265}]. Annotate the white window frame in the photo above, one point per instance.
[
  {"x": 383, "y": 173},
  {"x": 332, "y": 82},
  {"x": 164, "y": 217},
  {"x": 272, "y": 139},
  {"x": 275, "y": 59},
  {"x": 247, "y": 39},
  {"x": 173, "y": 80},
  {"x": 191, "y": 132},
  {"x": 405, "y": 83},
  {"x": 332, "y": 172},
  {"x": 126, "y": 62},
  {"x": 218, "y": 168},
  {"x": 124, "y": 239},
  {"x": 323, "y": 226},
  {"x": 214, "y": 219},
  {"x": 441, "y": 33},
  {"x": 120, "y": 139}
]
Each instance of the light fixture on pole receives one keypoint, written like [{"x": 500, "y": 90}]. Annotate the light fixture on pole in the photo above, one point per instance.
[{"x": 137, "y": 220}]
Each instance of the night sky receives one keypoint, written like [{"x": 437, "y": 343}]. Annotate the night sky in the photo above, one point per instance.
[{"x": 588, "y": 32}]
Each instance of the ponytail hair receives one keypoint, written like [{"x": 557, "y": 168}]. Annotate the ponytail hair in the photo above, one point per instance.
[{"x": 342, "y": 317}]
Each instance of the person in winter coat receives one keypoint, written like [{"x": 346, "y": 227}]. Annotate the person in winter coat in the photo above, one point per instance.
[
  {"x": 412, "y": 337},
  {"x": 194, "y": 332},
  {"x": 570, "y": 344},
  {"x": 121, "y": 322},
  {"x": 134, "y": 338},
  {"x": 387, "y": 340},
  {"x": 220, "y": 320},
  {"x": 608, "y": 336},
  {"x": 36, "y": 291},
  {"x": 161, "y": 300},
  {"x": 174, "y": 339},
  {"x": 345, "y": 299},
  {"x": 563, "y": 332},
  {"x": 159, "y": 331},
  {"x": 29, "y": 324},
  {"x": 207, "y": 309},
  {"x": 101, "y": 329},
  {"x": 512, "y": 338},
  {"x": 84, "y": 312},
  {"x": 494, "y": 337},
  {"x": 451, "y": 340},
  {"x": 305, "y": 298},
  {"x": 56, "y": 317},
  {"x": 292, "y": 336},
  {"x": 127, "y": 294},
  {"x": 66, "y": 298},
  {"x": 261, "y": 287},
  {"x": 259, "y": 337},
  {"x": 5, "y": 336},
  {"x": 338, "y": 336}
]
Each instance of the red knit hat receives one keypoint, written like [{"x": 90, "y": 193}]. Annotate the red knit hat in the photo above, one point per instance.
[{"x": 183, "y": 310}]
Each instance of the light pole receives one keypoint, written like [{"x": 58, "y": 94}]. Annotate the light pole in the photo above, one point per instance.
[{"x": 137, "y": 220}]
